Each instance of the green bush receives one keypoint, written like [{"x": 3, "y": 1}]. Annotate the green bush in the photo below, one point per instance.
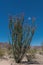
[
  {"x": 41, "y": 52},
  {"x": 31, "y": 54},
  {"x": 10, "y": 52},
  {"x": 2, "y": 53}
]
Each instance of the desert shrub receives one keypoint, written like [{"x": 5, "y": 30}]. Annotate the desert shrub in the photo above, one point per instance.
[
  {"x": 2, "y": 52},
  {"x": 9, "y": 48},
  {"x": 29, "y": 57},
  {"x": 9, "y": 52},
  {"x": 30, "y": 54},
  {"x": 41, "y": 52},
  {"x": 42, "y": 46}
]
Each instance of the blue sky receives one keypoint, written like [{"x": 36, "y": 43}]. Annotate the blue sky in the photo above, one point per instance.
[{"x": 30, "y": 8}]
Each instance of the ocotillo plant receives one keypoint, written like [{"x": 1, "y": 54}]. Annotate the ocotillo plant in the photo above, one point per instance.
[{"x": 21, "y": 35}]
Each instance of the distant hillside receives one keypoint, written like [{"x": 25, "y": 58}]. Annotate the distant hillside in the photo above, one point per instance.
[
  {"x": 4, "y": 45},
  {"x": 36, "y": 47}
]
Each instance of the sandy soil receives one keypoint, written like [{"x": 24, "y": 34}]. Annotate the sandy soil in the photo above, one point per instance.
[
  {"x": 4, "y": 62},
  {"x": 39, "y": 58},
  {"x": 37, "y": 61}
]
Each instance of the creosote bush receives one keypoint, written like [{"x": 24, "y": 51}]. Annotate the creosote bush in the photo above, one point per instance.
[
  {"x": 42, "y": 46},
  {"x": 41, "y": 52},
  {"x": 21, "y": 35},
  {"x": 2, "y": 52},
  {"x": 31, "y": 54}
]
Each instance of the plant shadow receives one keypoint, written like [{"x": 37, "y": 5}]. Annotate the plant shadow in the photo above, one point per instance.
[{"x": 30, "y": 62}]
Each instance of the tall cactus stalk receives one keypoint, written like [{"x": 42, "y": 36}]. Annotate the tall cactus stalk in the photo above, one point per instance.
[{"x": 21, "y": 36}]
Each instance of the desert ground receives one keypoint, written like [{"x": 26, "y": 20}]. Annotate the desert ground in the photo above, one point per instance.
[{"x": 37, "y": 61}]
